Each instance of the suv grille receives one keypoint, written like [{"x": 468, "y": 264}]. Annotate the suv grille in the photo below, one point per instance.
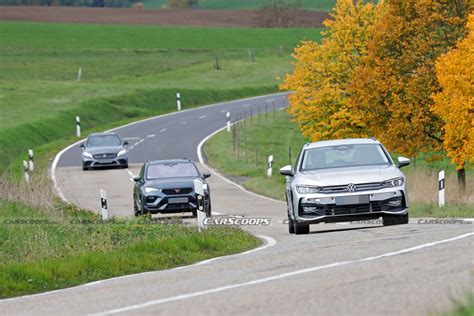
[
  {"x": 358, "y": 187},
  {"x": 105, "y": 156},
  {"x": 177, "y": 191}
]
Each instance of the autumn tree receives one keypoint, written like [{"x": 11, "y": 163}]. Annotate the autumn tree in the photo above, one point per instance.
[
  {"x": 454, "y": 104},
  {"x": 392, "y": 88},
  {"x": 322, "y": 72}
]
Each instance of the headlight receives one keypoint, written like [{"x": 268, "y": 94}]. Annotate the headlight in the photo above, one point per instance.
[
  {"x": 86, "y": 155},
  {"x": 395, "y": 182},
  {"x": 149, "y": 190},
  {"x": 306, "y": 189},
  {"x": 122, "y": 152}
]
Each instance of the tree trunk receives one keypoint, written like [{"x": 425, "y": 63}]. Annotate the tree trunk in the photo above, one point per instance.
[{"x": 462, "y": 178}]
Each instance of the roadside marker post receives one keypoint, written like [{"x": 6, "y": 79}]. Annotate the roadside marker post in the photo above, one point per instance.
[
  {"x": 441, "y": 188},
  {"x": 31, "y": 164},
  {"x": 270, "y": 166},
  {"x": 25, "y": 171},
  {"x": 79, "y": 74},
  {"x": 201, "y": 213},
  {"x": 78, "y": 126},
  {"x": 228, "y": 121},
  {"x": 103, "y": 205},
  {"x": 178, "y": 101}
]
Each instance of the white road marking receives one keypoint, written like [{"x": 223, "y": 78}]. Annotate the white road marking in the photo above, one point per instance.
[
  {"x": 131, "y": 138},
  {"x": 141, "y": 140},
  {"x": 245, "y": 105},
  {"x": 136, "y": 144},
  {"x": 183, "y": 123},
  {"x": 130, "y": 173},
  {"x": 270, "y": 100},
  {"x": 151, "y": 135},
  {"x": 224, "y": 111},
  {"x": 163, "y": 130},
  {"x": 281, "y": 276},
  {"x": 268, "y": 242},
  {"x": 131, "y": 147},
  {"x": 202, "y": 117}
]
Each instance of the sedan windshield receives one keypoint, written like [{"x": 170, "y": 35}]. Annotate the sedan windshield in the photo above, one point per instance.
[
  {"x": 104, "y": 141},
  {"x": 344, "y": 156},
  {"x": 171, "y": 170}
]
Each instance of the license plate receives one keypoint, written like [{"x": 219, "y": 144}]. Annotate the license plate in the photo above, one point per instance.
[
  {"x": 178, "y": 200},
  {"x": 355, "y": 199}
]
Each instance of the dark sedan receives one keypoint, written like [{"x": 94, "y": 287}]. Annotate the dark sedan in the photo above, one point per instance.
[{"x": 167, "y": 186}]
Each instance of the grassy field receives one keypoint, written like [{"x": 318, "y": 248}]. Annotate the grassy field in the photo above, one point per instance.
[
  {"x": 134, "y": 68},
  {"x": 321, "y": 5},
  {"x": 273, "y": 134},
  {"x": 43, "y": 251}
]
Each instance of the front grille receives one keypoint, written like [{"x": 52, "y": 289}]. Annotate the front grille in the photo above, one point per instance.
[
  {"x": 177, "y": 191},
  {"x": 105, "y": 156},
  {"x": 358, "y": 187}
]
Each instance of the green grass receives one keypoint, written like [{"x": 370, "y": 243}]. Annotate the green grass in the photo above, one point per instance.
[
  {"x": 47, "y": 253},
  {"x": 273, "y": 136},
  {"x": 321, "y": 5},
  {"x": 463, "y": 307}
]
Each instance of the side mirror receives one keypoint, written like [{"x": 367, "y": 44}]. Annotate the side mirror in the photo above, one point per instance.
[
  {"x": 287, "y": 171},
  {"x": 402, "y": 162},
  {"x": 125, "y": 143},
  {"x": 137, "y": 178},
  {"x": 206, "y": 175}
]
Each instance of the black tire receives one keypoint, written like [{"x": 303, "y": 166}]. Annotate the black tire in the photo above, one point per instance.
[
  {"x": 301, "y": 229},
  {"x": 195, "y": 214},
  {"x": 125, "y": 166},
  {"x": 208, "y": 210},
  {"x": 291, "y": 225},
  {"x": 136, "y": 212},
  {"x": 84, "y": 168},
  {"x": 391, "y": 220}
]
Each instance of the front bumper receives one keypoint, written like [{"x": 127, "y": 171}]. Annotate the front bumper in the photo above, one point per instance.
[
  {"x": 95, "y": 163},
  {"x": 164, "y": 204},
  {"x": 319, "y": 208}
]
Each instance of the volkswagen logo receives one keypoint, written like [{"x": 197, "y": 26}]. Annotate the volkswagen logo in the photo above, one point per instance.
[{"x": 351, "y": 187}]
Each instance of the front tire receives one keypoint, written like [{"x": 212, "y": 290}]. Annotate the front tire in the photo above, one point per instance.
[
  {"x": 291, "y": 225},
  {"x": 391, "y": 220},
  {"x": 301, "y": 229}
]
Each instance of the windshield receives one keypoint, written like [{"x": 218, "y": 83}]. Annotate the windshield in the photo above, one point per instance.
[
  {"x": 343, "y": 156},
  {"x": 171, "y": 170},
  {"x": 103, "y": 141}
]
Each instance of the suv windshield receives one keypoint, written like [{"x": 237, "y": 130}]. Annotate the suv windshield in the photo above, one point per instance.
[
  {"x": 103, "y": 141},
  {"x": 344, "y": 156},
  {"x": 171, "y": 170}
]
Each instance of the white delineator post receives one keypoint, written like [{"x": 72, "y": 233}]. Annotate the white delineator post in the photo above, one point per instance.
[
  {"x": 78, "y": 126},
  {"x": 228, "y": 121},
  {"x": 178, "y": 101},
  {"x": 103, "y": 205},
  {"x": 31, "y": 164},
  {"x": 79, "y": 74},
  {"x": 441, "y": 187},
  {"x": 25, "y": 171},
  {"x": 201, "y": 214},
  {"x": 270, "y": 166}
]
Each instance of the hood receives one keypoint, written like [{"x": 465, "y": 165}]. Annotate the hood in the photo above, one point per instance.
[
  {"x": 342, "y": 176},
  {"x": 171, "y": 183},
  {"x": 104, "y": 150}
]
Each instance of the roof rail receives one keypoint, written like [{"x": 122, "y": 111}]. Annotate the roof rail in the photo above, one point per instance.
[{"x": 373, "y": 138}]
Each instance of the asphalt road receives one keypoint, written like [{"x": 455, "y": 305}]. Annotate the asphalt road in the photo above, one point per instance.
[{"x": 360, "y": 269}]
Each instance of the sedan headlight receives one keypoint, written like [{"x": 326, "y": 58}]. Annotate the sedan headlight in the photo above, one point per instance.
[
  {"x": 307, "y": 189},
  {"x": 395, "y": 182},
  {"x": 122, "y": 152},
  {"x": 85, "y": 154},
  {"x": 149, "y": 190}
]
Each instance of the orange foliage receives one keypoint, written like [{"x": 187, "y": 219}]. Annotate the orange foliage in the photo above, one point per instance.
[
  {"x": 392, "y": 88},
  {"x": 455, "y": 103},
  {"x": 322, "y": 72}
]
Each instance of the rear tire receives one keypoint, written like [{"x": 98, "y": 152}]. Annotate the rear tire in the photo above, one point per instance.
[
  {"x": 301, "y": 229},
  {"x": 391, "y": 220},
  {"x": 291, "y": 225}
]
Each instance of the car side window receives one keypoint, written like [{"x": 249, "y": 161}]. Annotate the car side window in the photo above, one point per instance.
[{"x": 297, "y": 161}]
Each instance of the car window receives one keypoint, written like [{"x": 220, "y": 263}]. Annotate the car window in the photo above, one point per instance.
[
  {"x": 344, "y": 156},
  {"x": 171, "y": 170},
  {"x": 103, "y": 141}
]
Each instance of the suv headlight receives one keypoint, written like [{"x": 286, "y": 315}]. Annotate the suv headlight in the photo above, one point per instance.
[
  {"x": 86, "y": 155},
  {"x": 395, "y": 182},
  {"x": 307, "y": 189},
  {"x": 122, "y": 152},
  {"x": 149, "y": 190}
]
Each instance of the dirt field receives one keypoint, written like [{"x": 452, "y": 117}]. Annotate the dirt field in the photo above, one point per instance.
[{"x": 210, "y": 18}]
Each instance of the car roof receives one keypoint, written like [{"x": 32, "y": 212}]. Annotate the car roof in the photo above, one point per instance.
[
  {"x": 165, "y": 161},
  {"x": 103, "y": 134},
  {"x": 337, "y": 142}
]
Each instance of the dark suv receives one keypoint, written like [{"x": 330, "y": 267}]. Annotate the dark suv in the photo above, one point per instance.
[{"x": 167, "y": 186}]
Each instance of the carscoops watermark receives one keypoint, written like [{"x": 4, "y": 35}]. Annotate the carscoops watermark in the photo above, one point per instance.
[
  {"x": 443, "y": 221},
  {"x": 236, "y": 221}
]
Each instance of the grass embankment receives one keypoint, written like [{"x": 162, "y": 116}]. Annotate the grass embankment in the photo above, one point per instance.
[
  {"x": 273, "y": 134},
  {"x": 320, "y": 5},
  {"x": 42, "y": 251},
  {"x": 128, "y": 72}
]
